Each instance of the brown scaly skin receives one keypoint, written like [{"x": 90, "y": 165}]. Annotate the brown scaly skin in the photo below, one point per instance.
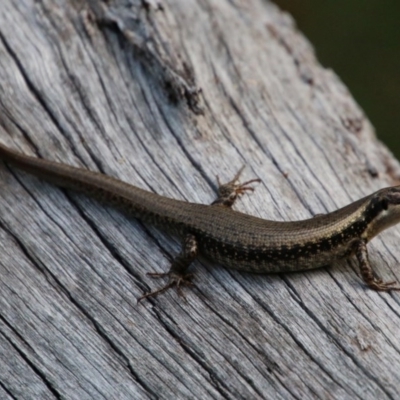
[{"x": 231, "y": 238}]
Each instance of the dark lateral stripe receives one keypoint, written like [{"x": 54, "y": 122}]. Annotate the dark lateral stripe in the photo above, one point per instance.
[{"x": 248, "y": 254}]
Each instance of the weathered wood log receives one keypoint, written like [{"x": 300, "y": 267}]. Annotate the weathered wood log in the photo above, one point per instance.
[{"x": 115, "y": 87}]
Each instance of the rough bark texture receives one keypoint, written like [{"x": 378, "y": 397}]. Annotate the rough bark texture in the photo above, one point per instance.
[{"x": 113, "y": 86}]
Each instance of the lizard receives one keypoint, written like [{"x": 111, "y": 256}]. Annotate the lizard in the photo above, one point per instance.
[{"x": 231, "y": 238}]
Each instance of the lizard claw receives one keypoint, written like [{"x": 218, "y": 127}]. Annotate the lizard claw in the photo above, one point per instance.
[
  {"x": 381, "y": 286},
  {"x": 229, "y": 192},
  {"x": 175, "y": 280}
]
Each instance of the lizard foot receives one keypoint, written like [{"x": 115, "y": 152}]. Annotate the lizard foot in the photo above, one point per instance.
[
  {"x": 379, "y": 285},
  {"x": 174, "y": 280},
  {"x": 229, "y": 192}
]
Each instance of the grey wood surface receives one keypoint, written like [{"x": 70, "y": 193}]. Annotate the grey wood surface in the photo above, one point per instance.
[{"x": 114, "y": 87}]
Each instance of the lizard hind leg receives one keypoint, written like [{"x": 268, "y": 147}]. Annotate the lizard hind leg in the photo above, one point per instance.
[
  {"x": 177, "y": 275},
  {"x": 230, "y": 191}
]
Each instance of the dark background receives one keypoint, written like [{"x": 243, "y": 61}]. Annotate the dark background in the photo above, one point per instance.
[{"x": 360, "y": 41}]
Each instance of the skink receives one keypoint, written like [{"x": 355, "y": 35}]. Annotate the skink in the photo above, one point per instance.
[{"x": 229, "y": 237}]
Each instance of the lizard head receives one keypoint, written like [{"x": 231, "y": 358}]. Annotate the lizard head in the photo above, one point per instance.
[{"x": 383, "y": 210}]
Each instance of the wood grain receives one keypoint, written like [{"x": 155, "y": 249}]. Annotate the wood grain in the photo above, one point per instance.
[{"x": 115, "y": 87}]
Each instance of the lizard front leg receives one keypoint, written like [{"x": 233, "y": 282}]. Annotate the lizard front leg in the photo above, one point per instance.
[{"x": 367, "y": 272}]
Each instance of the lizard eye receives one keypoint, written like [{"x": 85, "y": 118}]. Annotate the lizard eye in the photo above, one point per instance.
[{"x": 392, "y": 198}]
